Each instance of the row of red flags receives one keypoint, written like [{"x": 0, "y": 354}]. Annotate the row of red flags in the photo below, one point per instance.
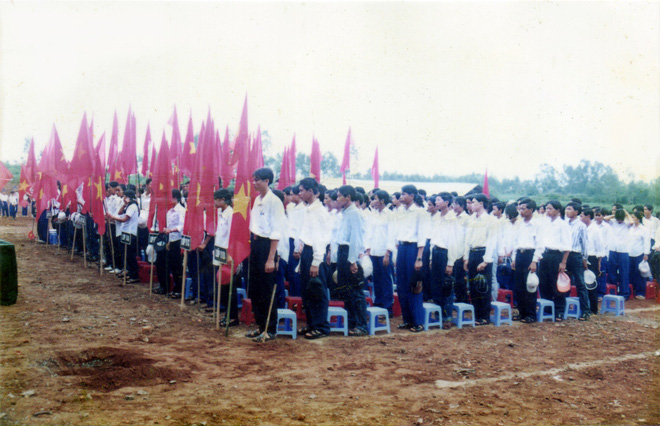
[{"x": 211, "y": 157}]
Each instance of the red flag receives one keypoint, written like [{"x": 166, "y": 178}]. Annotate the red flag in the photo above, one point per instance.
[
  {"x": 45, "y": 187},
  {"x": 374, "y": 170},
  {"x": 100, "y": 153},
  {"x": 346, "y": 161},
  {"x": 175, "y": 148},
  {"x": 283, "y": 181},
  {"x": 55, "y": 164},
  {"x": 82, "y": 163},
  {"x": 257, "y": 153},
  {"x": 23, "y": 185},
  {"x": 485, "y": 190},
  {"x": 114, "y": 165},
  {"x": 31, "y": 165},
  {"x": 226, "y": 170},
  {"x": 188, "y": 150},
  {"x": 292, "y": 162},
  {"x": 239, "y": 235},
  {"x": 97, "y": 189},
  {"x": 315, "y": 161},
  {"x": 145, "y": 152},
  {"x": 5, "y": 175},
  {"x": 193, "y": 225},
  {"x": 128, "y": 158},
  {"x": 161, "y": 184}
]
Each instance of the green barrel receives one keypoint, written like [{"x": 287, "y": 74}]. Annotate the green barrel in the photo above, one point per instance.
[{"x": 8, "y": 274}]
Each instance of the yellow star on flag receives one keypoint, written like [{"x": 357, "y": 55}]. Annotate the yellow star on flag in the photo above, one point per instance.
[
  {"x": 41, "y": 193},
  {"x": 23, "y": 186},
  {"x": 65, "y": 189},
  {"x": 193, "y": 150},
  {"x": 99, "y": 192},
  {"x": 161, "y": 187},
  {"x": 199, "y": 190},
  {"x": 117, "y": 175},
  {"x": 242, "y": 200}
]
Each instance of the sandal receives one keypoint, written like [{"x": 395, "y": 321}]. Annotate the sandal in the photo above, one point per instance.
[
  {"x": 446, "y": 325},
  {"x": 306, "y": 329},
  {"x": 357, "y": 332},
  {"x": 252, "y": 334},
  {"x": 314, "y": 334},
  {"x": 403, "y": 325},
  {"x": 482, "y": 322},
  {"x": 416, "y": 328},
  {"x": 264, "y": 337},
  {"x": 232, "y": 322},
  {"x": 559, "y": 319}
]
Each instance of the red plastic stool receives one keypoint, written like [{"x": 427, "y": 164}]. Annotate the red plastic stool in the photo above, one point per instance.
[
  {"x": 336, "y": 303},
  {"x": 573, "y": 291},
  {"x": 651, "y": 290},
  {"x": 610, "y": 289},
  {"x": 369, "y": 301},
  {"x": 295, "y": 304},
  {"x": 144, "y": 274},
  {"x": 505, "y": 296},
  {"x": 396, "y": 306},
  {"x": 247, "y": 316}
]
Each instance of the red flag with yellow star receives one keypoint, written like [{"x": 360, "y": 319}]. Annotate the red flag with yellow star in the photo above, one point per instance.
[
  {"x": 83, "y": 161},
  {"x": 239, "y": 236},
  {"x": 188, "y": 150},
  {"x": 161, "y": 186},
  {"x": 193, "y": 225},
  {"x": 5, "y": 175},
  {"x": 31, "y": 165},
  {"x": 114, "y": 166},
  {"x": 23, "y": 186}
]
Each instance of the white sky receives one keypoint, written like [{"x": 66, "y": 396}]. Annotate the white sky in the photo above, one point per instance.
[{"x": 447, "y": 87}]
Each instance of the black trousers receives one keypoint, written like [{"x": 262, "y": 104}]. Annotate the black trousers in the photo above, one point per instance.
[
  {"x": 548, "y": 272},
  {"x": 526, "y": 300},
  {"x": 169, "y": 262},
  {"x": 593, "y": 294},
  {"x": 262, "y": 285},
  {"x": 480, "y": 293}
]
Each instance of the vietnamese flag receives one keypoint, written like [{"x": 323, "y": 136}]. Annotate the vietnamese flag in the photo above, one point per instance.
[
  {"x": 5, "y": 175},
  {"x": 346, "y": 161},
  {"x": 175, "y": 146},
  {"x": 55, "y": 164},
  {"x": 128, "y": 158},
  {"x": 145, "y": 152},
  {"x": 193, "y": 225},
  {"x": 226, "y": 170},
  {"x": 82, "y": 164},
  {"x": 97, "y": 195},
  {"x": 485, "y": 190},
  {"x": 114, "y": 165},
  {"x": 31, "y": 165},
  {"x": 100, "y": 153},
  {"x": 239, "y": 235},
  {"x": 315, "y": 161},
  {"x": 23, "y": 187},
  {"x": 283, "y": 181},
  {"x": 161, "y": 184},
  {"x": 188, "y": 150},
  {"x": 374, "y": 170}
]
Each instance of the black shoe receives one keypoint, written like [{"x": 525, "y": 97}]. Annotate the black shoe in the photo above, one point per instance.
[
  {"x": 158, "y": 291},
  {"x": 175, "y": 295}
]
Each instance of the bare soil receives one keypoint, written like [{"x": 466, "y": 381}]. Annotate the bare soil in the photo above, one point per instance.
[{"x": 94, "y": 353}]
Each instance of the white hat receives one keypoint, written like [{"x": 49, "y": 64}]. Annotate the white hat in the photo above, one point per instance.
[
  {"x": 644, "y": 269},
  {"x": 532, "y": 282},
  {"x": 142, "y": 221},
  {"x": 563, "y": 283},
  {"x": 590, "y": 279},
  {"x": 61, "y": 217},
  {"x": 151, "y": 253}
]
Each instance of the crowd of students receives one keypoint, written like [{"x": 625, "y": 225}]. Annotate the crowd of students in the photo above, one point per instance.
[{"x": 332, "y": 244}]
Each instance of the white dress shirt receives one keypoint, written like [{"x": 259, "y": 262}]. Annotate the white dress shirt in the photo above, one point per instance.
[
  {"x": 410, "y": 223},
  {"x": 267, "y": 218},
  {"x": 380, "y": 232},
  {"x": 314, "y": 231},
  {"x": 640, "y": 241}
]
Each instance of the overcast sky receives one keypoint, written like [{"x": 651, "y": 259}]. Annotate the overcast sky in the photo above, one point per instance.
[{"x": 446, "y": 87}]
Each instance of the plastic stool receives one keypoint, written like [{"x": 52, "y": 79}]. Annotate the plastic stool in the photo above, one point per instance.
[
  {"x": 295, "y": 304},
  {"x": 369, "y": 301},
  {"x": 340, "y": 322},
  {"x": 572, "y": 309},
  {"x": 240, "y": 295},
  {"x": 462, "y": 309},
  {"x": 367, "y": 293},
  {"x": 289, "y": 326},
  {"x": 336, "y": 303},
  {"x": 505, "y": 296},
  {"x": 396, "y": 306},
  {"x": 144, "y": 273},
  {"x": 610, "y": 289},
  {"x": 573, "y": 291},
  {"x": 501, "y": 313},
  {"x": 247, "y": 316},
  {"x": 429, "y": 310},
  {"x": 373, "y": 313},
  {"x": 651, "y": 290},
  {"x": 541, "y": 304},
  {"x": 615, "y": 304}
]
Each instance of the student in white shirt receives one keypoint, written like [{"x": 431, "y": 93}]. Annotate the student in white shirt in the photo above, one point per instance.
[
  {"x": 640, "y": 249},
  {"x": 379, "y": 243},
  {"x": 651, "y": 222},
  {"x": 222, "y": 200},
  {"x": 605, "y": 232},
  {"x": 525, "y": 258},
  {"x": 294, "y": 212},
  {"x": 619, "y": 259},
  {"x": 460, "y": 286},
  {"x": 595, "y": 251},
  {"x": 128, "y": 216},
  {"x": 169, "y": 261}
]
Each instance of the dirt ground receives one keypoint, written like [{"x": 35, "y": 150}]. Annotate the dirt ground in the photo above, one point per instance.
[{"x": 77, "y": 349}]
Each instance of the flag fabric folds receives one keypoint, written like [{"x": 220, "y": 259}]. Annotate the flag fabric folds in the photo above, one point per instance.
[
  {"x": 315, "y": 161},
  {"x": 374, "y": 170},
  {"x": 5, "y": 175},
  {"x": 346, "y": 161}
]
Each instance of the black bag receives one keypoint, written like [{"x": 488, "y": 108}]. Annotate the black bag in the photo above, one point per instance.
[{"x": 161, "y": 242}]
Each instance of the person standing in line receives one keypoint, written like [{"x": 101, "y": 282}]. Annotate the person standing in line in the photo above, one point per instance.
[
  {"x": 128, "y": 215},
  {"x": 595, "y": 252},
  {"x": 222, "y": 201},
  {"x": 640, "y": 249},
  {"x": 525, "y": 258},
  {"x": 605, "y": 232},
  {"x": 460, "y": 286},
  {"x": 294, "y": 212},
  {"x": 312, "y": 244},
  {"x": 619, "y": 259},
  {"x": 577, "y": 258},
  {"x": 169, "y": 260},
  {"x": 651, "y": 222},
  {"x": 431, "y": 211},
  {"x": 380, "y": 246},
  {"x": 267, "y": 220},
  {"x": 555, "y": 242},
  {"x": 410, "y": 242},
  {"x": 13, "y": 204}
]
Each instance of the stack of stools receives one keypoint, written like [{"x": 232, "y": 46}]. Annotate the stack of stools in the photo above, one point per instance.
[
  {"x": 429, "y": 310},
  {"x": 286, "y": 323},
  {"x": 374, "y": 325},
  {"x": 462, "y": 309},
  {"x": 501, "y": 313},
  {"x": 505, "y": 296},
  {"x": 651, "y": 290},
  {"x": 572, "y": 309},
  {"x": 396, "y": 306},
  {"x": 295, "y": 304},
  {"x": 610, "y": 289},
  {"x": 614, "y": 304},
  {"x": 541, "y": 305},
  {"x": 338, "y": 319}
]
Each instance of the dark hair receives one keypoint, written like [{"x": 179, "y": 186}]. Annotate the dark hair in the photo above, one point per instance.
[
  {"x": 531, "y": 204},
  {"x": 418, "y": 199},
  {"x": 620, "y": 214},
  {"x": 576, "y": 200},
  {"x": 409, "y": 189},
  {"x": 223, "y": 194},
  {"x": 638, "y": 214},
  {"x": 114, "y": 184},
  {"x": 148, "y": 181},
  {"x": 287, "y": 190},
  {"x": 396, "y": 195},
  {"x": 461, "y": 202},
  {"x": 383, "y": 196},
  {"x": 333, "y": 195},
  {"x": 309, "y": 183},
  {"x": 500, "y": 205},
  {"x": 130, "y": 194},
  {"x": 446, "y": 196},
  {"x": 176, "y": 194},
  {"x": 511, "y": 210},
  {"x": 576, "y": 206},
  {"x": 649, "y": 206},
  {"x": 555, "y": 204},
  {"x": 589, "y": 213},
  {"x": 130, "y": 187},
  {"x": 422, "y": 192},
  {"x": 295, "y": 190},
  {"x": 264, "y": 173},
  {"x": 360, "y": 190},
  {"x": 347, "y": 191},
  {"x": 358, "y": 198},
  {"x": 617, "y": 205},
  {"x": 481, "y": 198}
]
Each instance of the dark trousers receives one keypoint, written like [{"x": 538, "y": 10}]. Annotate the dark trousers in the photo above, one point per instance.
[
  {"x": 526, "y": 300},
  {"x": 636, "y": 279},
  {"x": 575, "y": 267},
  {"x": 280, "y": 293},
  {"x": 480, "y": 293},
  {"x": 412, "y": 308},
  {"x": 291, "y": 275},
  {"x": 383, "y": 286},
  {"x": 618, "y": 269},
  {"x": 352, "y": 295},
  {"x": 143, "y": 239},
  {"x": 119, "y": 250},
  {"x": 224, "y": 294},
  {"x": 169, "y": 262},
  {"x": 593, "y": 294},
  {"x": 262, "y": 285},
  {"x": 5, "y": 208},
  {"x": 12, "y": 210},
  {"x": 426, "y": 273},
  {"x": 548, "y": 272},
  {"x": 206, "y": 272},
  {"x": 460, "y": 287},
  {"x": 440, "y": 291},
  {"x": 108, "y": 244},
  {"x": 131, "y": 260},
  {"x": 602, "y": 277},
  {"x": 316, "y": 311},
  {"x": 42, "y": 226},
  {"x": 92, "y": 236}
]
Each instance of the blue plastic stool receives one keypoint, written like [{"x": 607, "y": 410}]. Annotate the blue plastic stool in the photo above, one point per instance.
[
  {"x": 462, "y": 309},
  {"x": 501, "y": 313},
  {"x": 541, "y": 304},
  {"x": 289, "y": 326},
  {"x": 373, "y": 313},
  {"x": 614, "y": 304},
  {"x": 241, "y": 294},
  {"x": 429, "y": 310},
  {"x": 340, "y": 322},
  {"x": 572, "y": 309}
]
